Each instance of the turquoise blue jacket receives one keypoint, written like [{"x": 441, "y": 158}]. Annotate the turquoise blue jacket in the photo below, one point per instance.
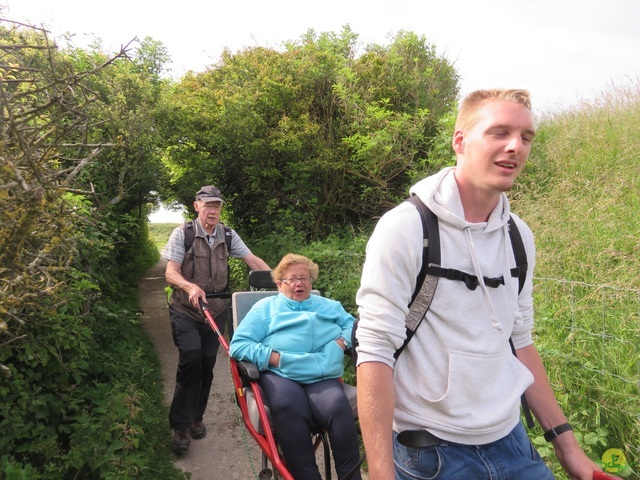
[{"x": 304, "y": 333}]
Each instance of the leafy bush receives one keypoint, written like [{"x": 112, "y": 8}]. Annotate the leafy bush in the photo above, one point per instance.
[
  {"x": 313, "y": 137},
  {"x": 76, "y": 371}
]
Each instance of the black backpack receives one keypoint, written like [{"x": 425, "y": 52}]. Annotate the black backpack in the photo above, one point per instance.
[{"x": 431, "y": 271}]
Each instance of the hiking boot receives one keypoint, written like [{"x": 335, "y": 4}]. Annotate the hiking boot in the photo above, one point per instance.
[
  {"x": 198, "y": 430},
  {"x": 181, "y": 441}
]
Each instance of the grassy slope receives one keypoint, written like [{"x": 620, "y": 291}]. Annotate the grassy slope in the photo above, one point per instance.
[
  {"x": 160, "y": 232},
  {"x": 580, "y": 194}
]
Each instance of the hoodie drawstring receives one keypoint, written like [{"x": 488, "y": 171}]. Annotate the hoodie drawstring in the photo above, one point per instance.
[
  {"x": 513, "y": 301},
  {"x": 485, "y": 293}
]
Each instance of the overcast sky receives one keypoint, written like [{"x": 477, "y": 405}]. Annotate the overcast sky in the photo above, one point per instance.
[{"x": 562, "y": 51}]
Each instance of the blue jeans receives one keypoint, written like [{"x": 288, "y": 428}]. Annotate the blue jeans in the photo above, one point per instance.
[
  {"x": 510, "y": 458},
  {"x": 295, "y": 408}
]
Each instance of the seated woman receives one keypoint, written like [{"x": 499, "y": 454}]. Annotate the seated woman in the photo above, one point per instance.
[{"x": 297, "y": 340}]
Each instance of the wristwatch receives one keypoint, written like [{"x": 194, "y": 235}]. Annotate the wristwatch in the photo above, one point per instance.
[
  {"x": 549, "y": 435},
  {"x": 344, "y": 342}
]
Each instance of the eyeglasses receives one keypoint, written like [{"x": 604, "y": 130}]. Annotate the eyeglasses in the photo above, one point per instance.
[
  {"x": 293, "y": 280},
  {"x": 212, "y": 206}
]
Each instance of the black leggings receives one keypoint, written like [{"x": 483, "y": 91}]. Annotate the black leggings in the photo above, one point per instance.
[{"x": 295, "y": 408}]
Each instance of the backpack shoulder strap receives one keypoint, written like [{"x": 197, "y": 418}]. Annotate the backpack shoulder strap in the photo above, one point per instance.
[
  {"x": 523, "y": 398},
  {"x": 418, "y": 305},
  {"x": 430, "y": 271},
  {"x": 189, "y": 234},
  {"x": 227, "y": 237},
  {"x": 519, "y": 271},
  {"x": 426, "y": 283},
  {"x": 519, "y": 253},
  {"x": 430, "y": 256}
]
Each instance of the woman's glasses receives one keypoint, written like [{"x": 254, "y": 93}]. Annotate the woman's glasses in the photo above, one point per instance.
[{"x": 294, "y": 280}]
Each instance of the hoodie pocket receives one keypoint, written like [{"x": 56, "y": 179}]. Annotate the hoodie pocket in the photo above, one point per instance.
[{"x": 483, "y": 391}]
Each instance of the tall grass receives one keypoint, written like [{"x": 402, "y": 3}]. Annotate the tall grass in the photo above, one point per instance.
[
  {"x": 159, "y": 233},
  {"x": 580, "y": 194}
]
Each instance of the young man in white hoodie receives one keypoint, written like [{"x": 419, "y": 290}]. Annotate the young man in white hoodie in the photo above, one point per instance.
[{"x": 455, "y": 390}]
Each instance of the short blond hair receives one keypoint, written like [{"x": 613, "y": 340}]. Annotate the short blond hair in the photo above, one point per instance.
[
  {"x": 473, "y": 102},
  {"x": 294, "y": 259}
]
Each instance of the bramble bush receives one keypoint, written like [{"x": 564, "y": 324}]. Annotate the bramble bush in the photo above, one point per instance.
[{"x": 76, "y": 371}]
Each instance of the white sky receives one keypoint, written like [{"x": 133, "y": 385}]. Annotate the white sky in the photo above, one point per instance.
[{"x": 562, "y": 51}]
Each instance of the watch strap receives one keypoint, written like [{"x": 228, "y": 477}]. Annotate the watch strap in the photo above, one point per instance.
[{"x": 549, "y": 435}]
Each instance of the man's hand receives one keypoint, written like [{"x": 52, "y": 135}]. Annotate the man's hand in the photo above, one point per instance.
[
  {"x": 573, "y": 459},
  {"x": 174, "y": 277},
  {"x": 195, "y": 294}
]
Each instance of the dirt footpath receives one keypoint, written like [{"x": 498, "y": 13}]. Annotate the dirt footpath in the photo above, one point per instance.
[{"x": 228, "y": 451}]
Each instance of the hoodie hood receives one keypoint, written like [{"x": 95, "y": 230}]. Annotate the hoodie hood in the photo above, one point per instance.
[{"x": 440, "y": 193}]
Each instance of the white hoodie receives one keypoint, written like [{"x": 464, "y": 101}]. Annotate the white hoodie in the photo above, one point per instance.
[{"x": 457, "y": 377}]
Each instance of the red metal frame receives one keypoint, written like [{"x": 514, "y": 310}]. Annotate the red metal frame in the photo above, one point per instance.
[{"x": 265, "y": 440}]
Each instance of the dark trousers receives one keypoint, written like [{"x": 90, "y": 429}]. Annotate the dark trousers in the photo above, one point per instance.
[
  {"x": 295, "y": 408},
  {"x": 197, "y": 349}
]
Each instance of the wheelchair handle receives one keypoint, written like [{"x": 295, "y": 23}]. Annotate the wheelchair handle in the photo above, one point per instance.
[{"x": 219, "y": 295}]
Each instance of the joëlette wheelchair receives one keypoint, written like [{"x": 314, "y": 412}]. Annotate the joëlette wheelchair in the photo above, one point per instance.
[{"x": 249, "y": 396}]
